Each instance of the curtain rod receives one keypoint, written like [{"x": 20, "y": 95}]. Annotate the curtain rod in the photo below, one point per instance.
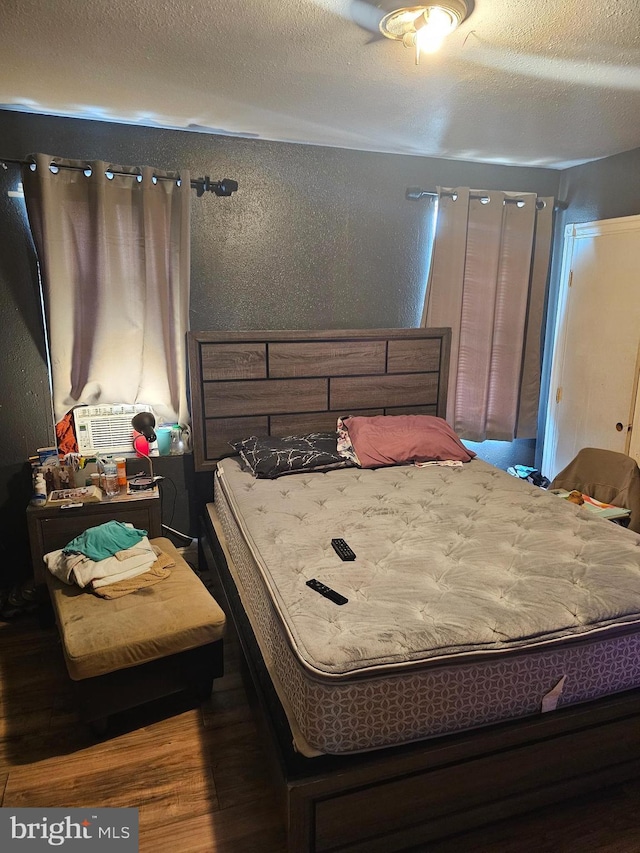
[
  {"x": 202, "y": 185},
  {"x": 415, "y": 194}
]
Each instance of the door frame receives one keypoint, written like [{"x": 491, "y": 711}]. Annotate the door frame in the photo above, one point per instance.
[
  {"x": 572, "y": 233},
  {"x": 633, "y": 436}
]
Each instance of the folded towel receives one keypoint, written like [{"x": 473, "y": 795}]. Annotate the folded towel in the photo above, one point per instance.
[
  {"x": 160, "y": 570},
  {"x": 134, "y": 551},
  {"x": 62, "y": 565},
  {"x": 79, "y": 569}
]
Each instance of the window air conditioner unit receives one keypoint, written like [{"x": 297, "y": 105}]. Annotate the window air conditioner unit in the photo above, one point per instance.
[{"x": 105, "y": 429}]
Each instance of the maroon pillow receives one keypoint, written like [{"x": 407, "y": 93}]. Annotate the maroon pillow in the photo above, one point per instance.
[{"x": 398, "y": 439}]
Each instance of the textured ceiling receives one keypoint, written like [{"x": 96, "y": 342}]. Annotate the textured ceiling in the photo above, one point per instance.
[{"x": 520, "y": 82}]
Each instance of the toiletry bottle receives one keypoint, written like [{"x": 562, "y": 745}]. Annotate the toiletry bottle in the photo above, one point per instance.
[{"x": 39, "y": 496}]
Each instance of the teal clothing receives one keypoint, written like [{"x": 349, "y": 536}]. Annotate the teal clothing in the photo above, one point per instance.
[{"x": 105, "y": 540}]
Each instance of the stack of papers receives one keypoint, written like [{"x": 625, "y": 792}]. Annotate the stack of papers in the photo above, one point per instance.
[
  {"x": 83, "y": 494},
  {"x": 602, "y": 509}
]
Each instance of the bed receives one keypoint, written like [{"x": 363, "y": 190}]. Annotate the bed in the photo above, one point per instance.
[{"x": 382, "y": 738}]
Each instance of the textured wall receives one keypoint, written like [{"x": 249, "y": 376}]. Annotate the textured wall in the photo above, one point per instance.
[
  {"x": 25, "y": 410},
  {"x": 314, "y": 238},
  {"x": 601, "y": 190}
]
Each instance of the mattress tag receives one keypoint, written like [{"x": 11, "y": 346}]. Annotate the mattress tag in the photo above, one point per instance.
[{"x": 551, "y": 699}]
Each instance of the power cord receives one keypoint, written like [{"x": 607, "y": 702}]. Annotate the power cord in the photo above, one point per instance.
[
  {"x": 173, "y": 504},
  {"x": 167, "y": 527},
  {"x": 157, "y": 480}
]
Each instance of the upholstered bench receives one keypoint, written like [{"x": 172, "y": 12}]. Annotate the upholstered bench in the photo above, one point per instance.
[{"x": 126, "y": 651}]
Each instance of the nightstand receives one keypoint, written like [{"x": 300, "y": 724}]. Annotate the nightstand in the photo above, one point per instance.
[{"x": 51, "y": 527}]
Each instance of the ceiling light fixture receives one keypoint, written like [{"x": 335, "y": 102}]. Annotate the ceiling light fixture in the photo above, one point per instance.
[{"x": 424, "y": 28}]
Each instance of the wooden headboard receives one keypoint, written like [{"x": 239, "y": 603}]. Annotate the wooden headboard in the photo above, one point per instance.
[{"x": 292, "y": 383}]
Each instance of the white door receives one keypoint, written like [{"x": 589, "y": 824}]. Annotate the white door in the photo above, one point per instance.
[{"x": 595, "y": 360}]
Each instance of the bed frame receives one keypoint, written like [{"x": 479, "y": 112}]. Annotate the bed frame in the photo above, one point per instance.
[{"x": 390, "y": 799}]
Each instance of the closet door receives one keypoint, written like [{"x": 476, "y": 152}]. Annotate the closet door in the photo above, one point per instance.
[{"x": 595, "y": 361}]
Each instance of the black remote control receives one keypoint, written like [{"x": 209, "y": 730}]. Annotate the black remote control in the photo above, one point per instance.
[
  {"x": 329, "y": 593},
  {"x": 342, "y": 549}
]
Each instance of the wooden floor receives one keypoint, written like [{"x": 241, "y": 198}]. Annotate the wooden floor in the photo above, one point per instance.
[{"x": 198, "y": 776}]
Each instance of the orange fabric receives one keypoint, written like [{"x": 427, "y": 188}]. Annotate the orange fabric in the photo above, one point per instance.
[{"x": 65, "y": 435}]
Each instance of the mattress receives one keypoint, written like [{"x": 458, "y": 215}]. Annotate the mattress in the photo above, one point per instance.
[{"x": 474, "y": 598}]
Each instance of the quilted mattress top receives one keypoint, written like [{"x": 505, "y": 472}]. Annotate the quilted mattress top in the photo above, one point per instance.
[{"x": 450, "y": 564}]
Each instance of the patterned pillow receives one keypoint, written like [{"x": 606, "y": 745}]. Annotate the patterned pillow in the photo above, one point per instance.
[{"x": 269, "y": 457}]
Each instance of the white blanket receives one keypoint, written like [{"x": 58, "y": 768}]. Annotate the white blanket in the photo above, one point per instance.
[{"x": 78, "y": 569}]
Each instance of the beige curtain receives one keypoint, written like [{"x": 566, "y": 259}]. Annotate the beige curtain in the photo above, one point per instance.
[
  {"x": 115, "y": 259},
  {"x": 487, "y": 282}
]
